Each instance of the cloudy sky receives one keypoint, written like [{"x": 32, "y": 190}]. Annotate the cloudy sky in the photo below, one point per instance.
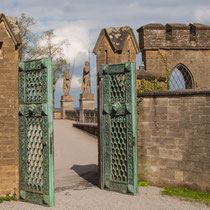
[{"x": 80, "y": 21}]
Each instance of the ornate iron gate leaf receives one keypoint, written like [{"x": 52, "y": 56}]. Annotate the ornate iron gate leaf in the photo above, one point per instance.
[
  {"x": 36, "y": 132},
  {"x": 118, "y": 128}
]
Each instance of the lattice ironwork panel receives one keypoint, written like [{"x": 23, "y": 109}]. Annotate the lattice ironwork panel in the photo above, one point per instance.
[
  {"x": 118, "y": 149},
  {"x": 34, "y": 86},
  {"x": 180, "y": 78},
  {"x": 118, "y": 133},
  {"x": 34, "y": 153},
  {"x": 118, "y": 84}
]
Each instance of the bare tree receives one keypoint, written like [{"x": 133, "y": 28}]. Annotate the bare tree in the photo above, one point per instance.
[
  {"x": 44, "y": 45},
  {"x": 29, "y": 39},
  {"x": 49, "y": 48}
]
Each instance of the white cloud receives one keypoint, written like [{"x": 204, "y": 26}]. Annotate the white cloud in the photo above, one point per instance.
[
  {"x": 59, "y": 83},
  {"x": 80, "y": 22},
  {"x": 77, "y": 35},
  {"x": 76, "y": 82},
  {"x": 93, "y": 73},
  {"x": 202, "y": 14}
]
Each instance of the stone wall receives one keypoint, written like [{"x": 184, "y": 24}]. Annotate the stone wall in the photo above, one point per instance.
[
  {"x": 178, "y": 44},
  {"x": 72, "y": 115},
  {"x": 91, "y": 128},
  {"x": 174, "y": 139},
  {"x": 57, "y": 114},
  {"x": 90, "y": 116},
  {"x": 9, "y": 157}
]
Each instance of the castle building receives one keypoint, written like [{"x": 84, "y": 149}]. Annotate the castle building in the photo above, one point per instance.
[{"x": 181, "y": 49}]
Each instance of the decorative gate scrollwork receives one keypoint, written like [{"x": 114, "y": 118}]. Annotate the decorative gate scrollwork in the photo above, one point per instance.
[
  {"x": 36, "y": 131},
  {"x": 118, "y": 128}
]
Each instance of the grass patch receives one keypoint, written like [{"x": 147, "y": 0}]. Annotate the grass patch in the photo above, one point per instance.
[
  {"x": 143, "y": 184},
  {"x": 7, "y": 198},
  {"x": 188, "y": 195}
]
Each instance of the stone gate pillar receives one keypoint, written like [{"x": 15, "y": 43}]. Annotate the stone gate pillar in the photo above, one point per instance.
[
  {"x": 9, "y": 139},
  {"x": 86, "y": 101},
  {"x": 67, "y": 101}
]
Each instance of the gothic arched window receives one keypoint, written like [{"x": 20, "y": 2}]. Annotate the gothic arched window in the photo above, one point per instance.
[{"x": 181, "y": 78}]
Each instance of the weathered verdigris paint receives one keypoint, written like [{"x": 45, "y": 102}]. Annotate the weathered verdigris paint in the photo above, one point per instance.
[
  {"x": 118, "y": 128},
  {"x": 36, "y": 131}
]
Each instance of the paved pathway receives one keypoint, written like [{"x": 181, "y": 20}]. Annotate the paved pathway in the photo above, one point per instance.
[{"x": 76, "y": 178}]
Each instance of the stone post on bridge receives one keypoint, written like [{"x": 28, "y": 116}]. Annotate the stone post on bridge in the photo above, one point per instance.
[
  {"x": 86, "y": 101},
  {"x": 67, "y": 101}
]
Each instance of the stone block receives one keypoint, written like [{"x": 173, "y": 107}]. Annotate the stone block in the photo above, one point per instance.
[
  {"x": 67, "y": 103},
  {"x": 179, "y": 177},
  {"x": 152, "y": 151},
  {"x": 172, "y": 164},
  {"x": 161, "y": 110},
  {"x": 167, "y": 173},
  {"x": 87, "y": 101}
]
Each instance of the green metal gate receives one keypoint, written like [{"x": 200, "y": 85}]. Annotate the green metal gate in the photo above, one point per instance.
[
  {"x": 118, "y": 128},
  {"x": 36, "y": 131}
]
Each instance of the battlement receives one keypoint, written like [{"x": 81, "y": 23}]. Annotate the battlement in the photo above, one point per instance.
[{"x": 174, "y": 36}]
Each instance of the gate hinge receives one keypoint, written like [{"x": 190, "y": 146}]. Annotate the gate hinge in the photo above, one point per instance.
[
  {"x": 51, "y": 144},
  {"x": 134, "y": 142}
]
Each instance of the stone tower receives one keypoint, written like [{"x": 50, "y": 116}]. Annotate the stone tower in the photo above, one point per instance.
[
  {"x": 178, "y": 44},
  {"x": 116, "y": 45}
]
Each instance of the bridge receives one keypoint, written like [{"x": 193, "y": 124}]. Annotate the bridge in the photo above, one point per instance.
[{"x": 76, "y": 179}]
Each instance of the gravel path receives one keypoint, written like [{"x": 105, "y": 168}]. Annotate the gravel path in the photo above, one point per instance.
[{"x": 76, "y": 180}]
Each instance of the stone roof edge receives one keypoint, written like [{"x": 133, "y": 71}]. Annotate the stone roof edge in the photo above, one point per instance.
[
  {"x": 110, "y": 41},
  {"x": 98, "y": 42},
  {"x": 175, "y": 48},
  {"x": 174, "y": 93},
  {"x": 199, "y": 26},
  {"x": 8, "y": 26},
  {"x": 152, "y": 26},
  {"x": 177, "y": 26},
  {"x": 133, "y": 38},
  {"x": 142, "y": 74},
  {"x": 102, "y": 34}
]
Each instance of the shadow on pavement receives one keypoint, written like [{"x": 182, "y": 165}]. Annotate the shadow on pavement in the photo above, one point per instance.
[{"x": 87, "y": 172}]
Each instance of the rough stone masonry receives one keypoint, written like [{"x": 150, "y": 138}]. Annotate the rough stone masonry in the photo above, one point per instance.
[
  {"x": 174, "y": 138},
  {"x": 178, "y": 44},
  {"x": 9, "y": 164}
]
